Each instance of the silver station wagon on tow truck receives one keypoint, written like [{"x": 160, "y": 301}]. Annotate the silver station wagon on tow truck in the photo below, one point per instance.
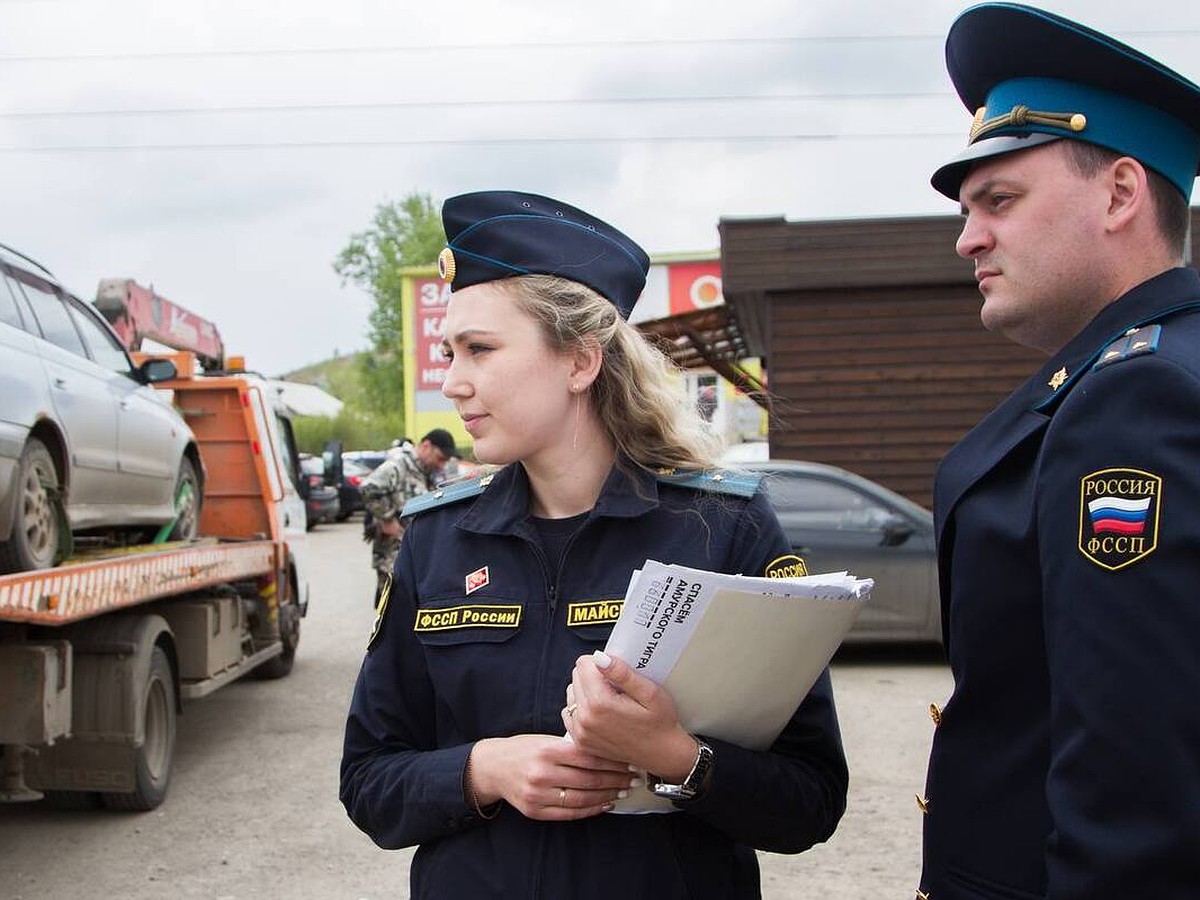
[{"x": 87, "y": 446}]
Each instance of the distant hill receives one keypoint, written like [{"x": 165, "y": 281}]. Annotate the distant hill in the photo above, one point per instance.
[
  {"x": 338, "y": 376},
  {"x": 359, "y": 426}
]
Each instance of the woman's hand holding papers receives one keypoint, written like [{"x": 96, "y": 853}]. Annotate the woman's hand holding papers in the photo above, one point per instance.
[{"x": 614, "y": 713}]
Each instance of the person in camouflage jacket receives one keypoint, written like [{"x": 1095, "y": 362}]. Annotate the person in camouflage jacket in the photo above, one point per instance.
[{"x": 405, "y": 474}]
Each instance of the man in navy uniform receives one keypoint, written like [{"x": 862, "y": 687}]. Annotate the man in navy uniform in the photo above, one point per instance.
[{"x": 1067, "y": 762}]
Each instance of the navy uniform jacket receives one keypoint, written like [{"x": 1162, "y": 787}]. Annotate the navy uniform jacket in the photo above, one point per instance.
[
  {"x": 1067, "y": 762},
  {"x": 433, "y": 683}
]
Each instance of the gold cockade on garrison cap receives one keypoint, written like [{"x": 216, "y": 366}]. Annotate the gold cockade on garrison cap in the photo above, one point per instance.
[{"x": 446, "y": 265}]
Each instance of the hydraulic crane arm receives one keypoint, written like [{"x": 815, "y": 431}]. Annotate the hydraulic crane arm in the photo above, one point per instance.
[{"x": 137, "y": 313}]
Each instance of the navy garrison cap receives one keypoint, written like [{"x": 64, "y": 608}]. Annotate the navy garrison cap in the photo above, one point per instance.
[
  {"x": 1032, "y": 77},
  {"x": 502, "y": 234}
]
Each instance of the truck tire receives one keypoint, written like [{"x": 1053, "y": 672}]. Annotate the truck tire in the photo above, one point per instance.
[
  {"x": 289, "y": 635},
  {"x": 155, "y": 758},
  {"x": 36, "y": 533}
]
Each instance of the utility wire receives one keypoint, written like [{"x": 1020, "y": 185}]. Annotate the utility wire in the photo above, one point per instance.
[
  {"x": 636, "y": 43},
  {"x": 444, "y": 104},
  {"x": 443, "y": 142}
]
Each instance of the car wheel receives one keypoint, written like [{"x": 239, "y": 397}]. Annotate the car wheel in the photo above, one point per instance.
[
  {"x": 187, "y": 503},
  {"x": 38, "y": 523}
]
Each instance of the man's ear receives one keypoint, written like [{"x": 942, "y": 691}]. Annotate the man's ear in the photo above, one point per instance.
[{"x": 1129, "y": 192}]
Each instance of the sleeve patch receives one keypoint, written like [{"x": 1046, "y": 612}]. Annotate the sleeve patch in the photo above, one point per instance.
[
  {"x": 1118, "y": 516},
  {"x": 380, "y": 609},
  {"x": 788, "y": 566}
]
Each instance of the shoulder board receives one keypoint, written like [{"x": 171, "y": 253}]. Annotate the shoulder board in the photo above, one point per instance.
[
  {"x": 715, "y": 481},
  {"x": 1135, "y": 342},
  {"x": 451, "y": 492}
]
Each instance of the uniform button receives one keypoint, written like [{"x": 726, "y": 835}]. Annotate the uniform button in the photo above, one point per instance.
[
  {"x": 922, "y": 805},
  {"x": 935, "y": 713}
]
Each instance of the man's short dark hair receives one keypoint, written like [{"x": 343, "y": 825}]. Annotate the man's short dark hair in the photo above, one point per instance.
[
  {"x": 443, "y": 440},
  {"x": 1170, "y": 206}
]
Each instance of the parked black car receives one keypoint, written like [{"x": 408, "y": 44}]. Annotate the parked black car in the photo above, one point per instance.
[
  {"x": 350, "y": 498},
  {"x": 320, "y": 499}
]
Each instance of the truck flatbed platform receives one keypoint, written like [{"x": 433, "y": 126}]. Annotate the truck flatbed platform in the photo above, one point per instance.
[{"x": 81, "y": 590}]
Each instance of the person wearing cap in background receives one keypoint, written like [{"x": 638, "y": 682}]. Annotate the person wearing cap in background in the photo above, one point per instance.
[
  {"x": 406, "y": 473},
  {"x": 490, "y": 641},
  {"x": 1066, "y": 763}
]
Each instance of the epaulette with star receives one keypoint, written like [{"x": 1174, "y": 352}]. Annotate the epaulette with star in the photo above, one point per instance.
[
  {"x": 714, "y": 481},
  {"x": 1134, "y": 342},
  {"x": 445, "y": 494},
  {"x": 1137, "y": 341}
]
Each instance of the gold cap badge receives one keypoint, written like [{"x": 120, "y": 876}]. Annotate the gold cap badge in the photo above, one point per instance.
[
  {"x": 1020, "y": 116},
  {"x": 446, "y": 265}
]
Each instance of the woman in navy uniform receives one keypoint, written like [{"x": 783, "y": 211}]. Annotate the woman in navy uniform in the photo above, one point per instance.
[{"x": 488, "y": 646}]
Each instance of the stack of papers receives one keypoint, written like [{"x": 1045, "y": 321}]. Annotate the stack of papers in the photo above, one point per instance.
[{"x": 737, "y": 654}]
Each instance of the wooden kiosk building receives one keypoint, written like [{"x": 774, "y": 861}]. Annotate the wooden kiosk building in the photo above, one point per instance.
[{"x": 869, "y": 332}]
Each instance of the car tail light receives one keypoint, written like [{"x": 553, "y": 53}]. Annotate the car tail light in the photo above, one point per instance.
[
  {"x": 354, "y": 480},
  {"x": 315, "y": 480}
]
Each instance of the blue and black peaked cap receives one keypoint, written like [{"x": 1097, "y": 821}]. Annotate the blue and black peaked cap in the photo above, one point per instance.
[
  {"x": 501, "y": 234},
  {"x": 1031, "y": 77}
]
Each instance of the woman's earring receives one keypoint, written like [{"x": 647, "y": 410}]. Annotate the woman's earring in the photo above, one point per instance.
[{"x": 575, "y": 433}]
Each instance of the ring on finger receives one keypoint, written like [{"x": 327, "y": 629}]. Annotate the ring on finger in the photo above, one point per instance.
[{"x": 562, "y": 796}]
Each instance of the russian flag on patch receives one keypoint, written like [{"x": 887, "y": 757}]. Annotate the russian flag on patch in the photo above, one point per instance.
[{"x": 1118, "y": 515}]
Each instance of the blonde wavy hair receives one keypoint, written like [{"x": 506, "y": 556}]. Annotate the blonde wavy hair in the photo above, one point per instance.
[{"x": 636, "y": 394}]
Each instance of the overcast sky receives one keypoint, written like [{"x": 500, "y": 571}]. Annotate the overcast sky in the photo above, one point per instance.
[{"x": 225, "y": 150}]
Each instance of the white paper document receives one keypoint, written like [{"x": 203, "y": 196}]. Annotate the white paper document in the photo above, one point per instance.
[{"x": 736, "y": 653}]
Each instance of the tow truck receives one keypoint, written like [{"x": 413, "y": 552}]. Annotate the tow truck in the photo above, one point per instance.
[{"x": 98, "y": 654}]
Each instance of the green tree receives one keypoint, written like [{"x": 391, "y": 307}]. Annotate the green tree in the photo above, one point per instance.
[
  {"x": 354, "y": 430},
  {"x": 404, "y": 233}
]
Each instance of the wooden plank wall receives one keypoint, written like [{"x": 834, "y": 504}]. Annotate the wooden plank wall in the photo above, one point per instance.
[
  {"x": 871, "y": 335},
  {"x": 884, "y": 381}
]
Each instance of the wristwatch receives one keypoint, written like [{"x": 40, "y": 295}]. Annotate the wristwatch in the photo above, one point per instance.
[{"x": 696, "y": 780}]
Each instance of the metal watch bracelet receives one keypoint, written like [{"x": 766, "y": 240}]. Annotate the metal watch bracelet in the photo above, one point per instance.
[{"x": 695, "y": 781}]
